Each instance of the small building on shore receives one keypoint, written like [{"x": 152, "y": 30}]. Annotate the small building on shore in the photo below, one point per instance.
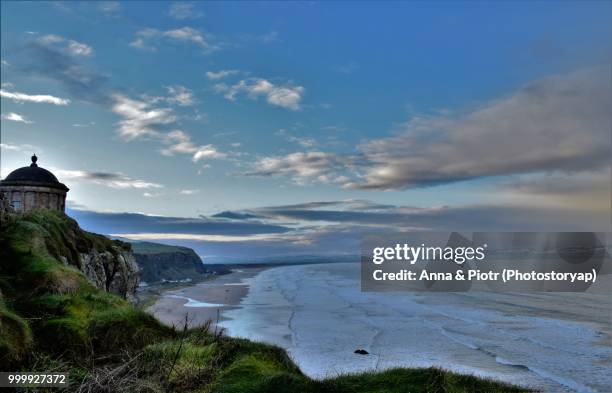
[{"x": 32, "y": 187}]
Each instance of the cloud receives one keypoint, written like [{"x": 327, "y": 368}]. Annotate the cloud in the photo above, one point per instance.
[
  {"x": 475, "y": 217},
  {"x": 184, "y": 10},
  {"x": 180, "y": 95},
  {"x": 562, "y": 190},
  {"x": 178, "y": 141},
  {"x": 177, "y": 95},
  {"x": 200, "y": 237},
  {"x": 109, "y": 7},
  {"x": 328, "y": 227},
  {"x": 146, "y": 38},
  {"x": 151, "y": 194},
  {"x": 286, "y": 96},
  {"x": 85, "y": 125},
  {"x": 113, "y": 180},
  {"x": 212, "y": 75},
  {"x": 139, "y": 223},
  {"x": 24, "y": 147},
  {"x": 12, "y": 116},
  {"x": 235, "y": 215},
  {"x": 139, "y": 119},
  {"x": 302, "y": 141},
  {"x": 189, "y": 192},
  {"x": 46, "y": 61},
  {"x": 71, "y": 46},
  {"x": 302, "y": 166},
  {"x": 78, "y": 48},
  {"x": 559, "y": 123},
  {"x": 38, "y": 98}
]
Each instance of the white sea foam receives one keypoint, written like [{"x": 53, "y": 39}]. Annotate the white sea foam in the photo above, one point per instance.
[
  {"x": 194, "y": 303},
  {"x": 552, "y": 342}
]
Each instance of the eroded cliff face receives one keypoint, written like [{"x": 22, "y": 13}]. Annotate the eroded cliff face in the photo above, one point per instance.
[
  {"x": 113, "y": 270},
  {"x": 108, "y": 264}
]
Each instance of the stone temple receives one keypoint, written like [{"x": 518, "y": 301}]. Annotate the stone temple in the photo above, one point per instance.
[{"x": 33, "y": 187}]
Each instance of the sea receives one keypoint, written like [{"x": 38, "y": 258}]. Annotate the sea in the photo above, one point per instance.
[{"x": 553, "y": 342}]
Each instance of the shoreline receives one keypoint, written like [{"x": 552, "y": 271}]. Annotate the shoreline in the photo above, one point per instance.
[
  {"x": 254, "y": 306},
  {"x": 203, "y": 301}
]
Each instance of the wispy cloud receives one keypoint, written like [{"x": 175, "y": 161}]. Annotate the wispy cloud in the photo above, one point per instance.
[
  {"x": 180, "y": 95},
  {"x": 47, "y": 61},
  {"x": 109, "y": 7},
  {"x": 78, "y": 48},
  {"x": 84, "y": 125},
  {"x": 557, "y": 123},
  {"x": 561, "y": 190},
  {"x": 139, "y": 118},
  {"x": 24, "y": 147},
  {"x": 179, "y": 142},
  {"x": 38, "y": 98},
  {"x": 147, "y": 38},
  {"x": 189, "y": 192},
  {"x": 305, "y": 142},
  {"x": 16, "y": 117},
  {"x": 113, "y": 180},
  {"x": 533, "y": 130},
  {"x": 184, "y": 10},
  {"x": 302, "y": 167},
  {"x": 316, "y": 228},
  {"x": 152, "y": 194},
  {"x": 71, "y": 46},
  {"x": 202, "y": 237},
  {"x": 139, "y": 223},
  {"x": 287, "y": 96},
  {"x": 216, "y": 75}
]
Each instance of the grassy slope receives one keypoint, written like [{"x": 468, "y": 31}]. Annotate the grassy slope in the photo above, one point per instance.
[{"x": 52, "y": 318}]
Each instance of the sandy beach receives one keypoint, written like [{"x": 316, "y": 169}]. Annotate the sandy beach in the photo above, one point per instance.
[
  {"x": 551, "y": 342},
  {"x": 204, "y": 301}
]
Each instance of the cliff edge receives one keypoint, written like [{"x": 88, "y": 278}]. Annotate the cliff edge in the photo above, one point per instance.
[
  {"x": 109, "y": 264},
  {"x": 160, "y": 262}
]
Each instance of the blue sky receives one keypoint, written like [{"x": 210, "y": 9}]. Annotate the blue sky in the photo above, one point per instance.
[{"x": 187, "y": 110}]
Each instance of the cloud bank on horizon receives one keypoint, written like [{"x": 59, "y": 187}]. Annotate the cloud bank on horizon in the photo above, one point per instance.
[{"x": 200, "y": 110}]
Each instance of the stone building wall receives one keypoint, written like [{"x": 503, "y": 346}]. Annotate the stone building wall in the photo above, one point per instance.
[{"x": 24, "y": 198}]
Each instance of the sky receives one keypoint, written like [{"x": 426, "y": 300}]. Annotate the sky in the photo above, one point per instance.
[{"x": 251, "y": 130}]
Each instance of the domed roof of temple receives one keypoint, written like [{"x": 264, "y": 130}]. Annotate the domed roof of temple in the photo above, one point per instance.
[{"x": 33, "y": 175}]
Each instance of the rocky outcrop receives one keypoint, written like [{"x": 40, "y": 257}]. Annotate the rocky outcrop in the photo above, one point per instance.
[{"x": 113, "y": 270}]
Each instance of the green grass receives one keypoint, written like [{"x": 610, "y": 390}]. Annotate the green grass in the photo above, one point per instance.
[
  {"x": 53, "y": 319},
  {"x": 15, "y": 337},
  {"x": 157, "y": 248}
]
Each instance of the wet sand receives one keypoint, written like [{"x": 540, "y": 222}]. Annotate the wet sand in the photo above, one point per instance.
[{"x": 203, "y": 301}]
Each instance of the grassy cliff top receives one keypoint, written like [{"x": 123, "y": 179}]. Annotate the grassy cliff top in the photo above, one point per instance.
[
  {"x": 157, "y": 248},
  {"x": 53, "y": 319}
]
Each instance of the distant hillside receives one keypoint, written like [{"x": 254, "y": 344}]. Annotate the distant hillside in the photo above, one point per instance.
[
  {"x": 157, "y": 248},
  {"x": 161, "y": 262}
]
